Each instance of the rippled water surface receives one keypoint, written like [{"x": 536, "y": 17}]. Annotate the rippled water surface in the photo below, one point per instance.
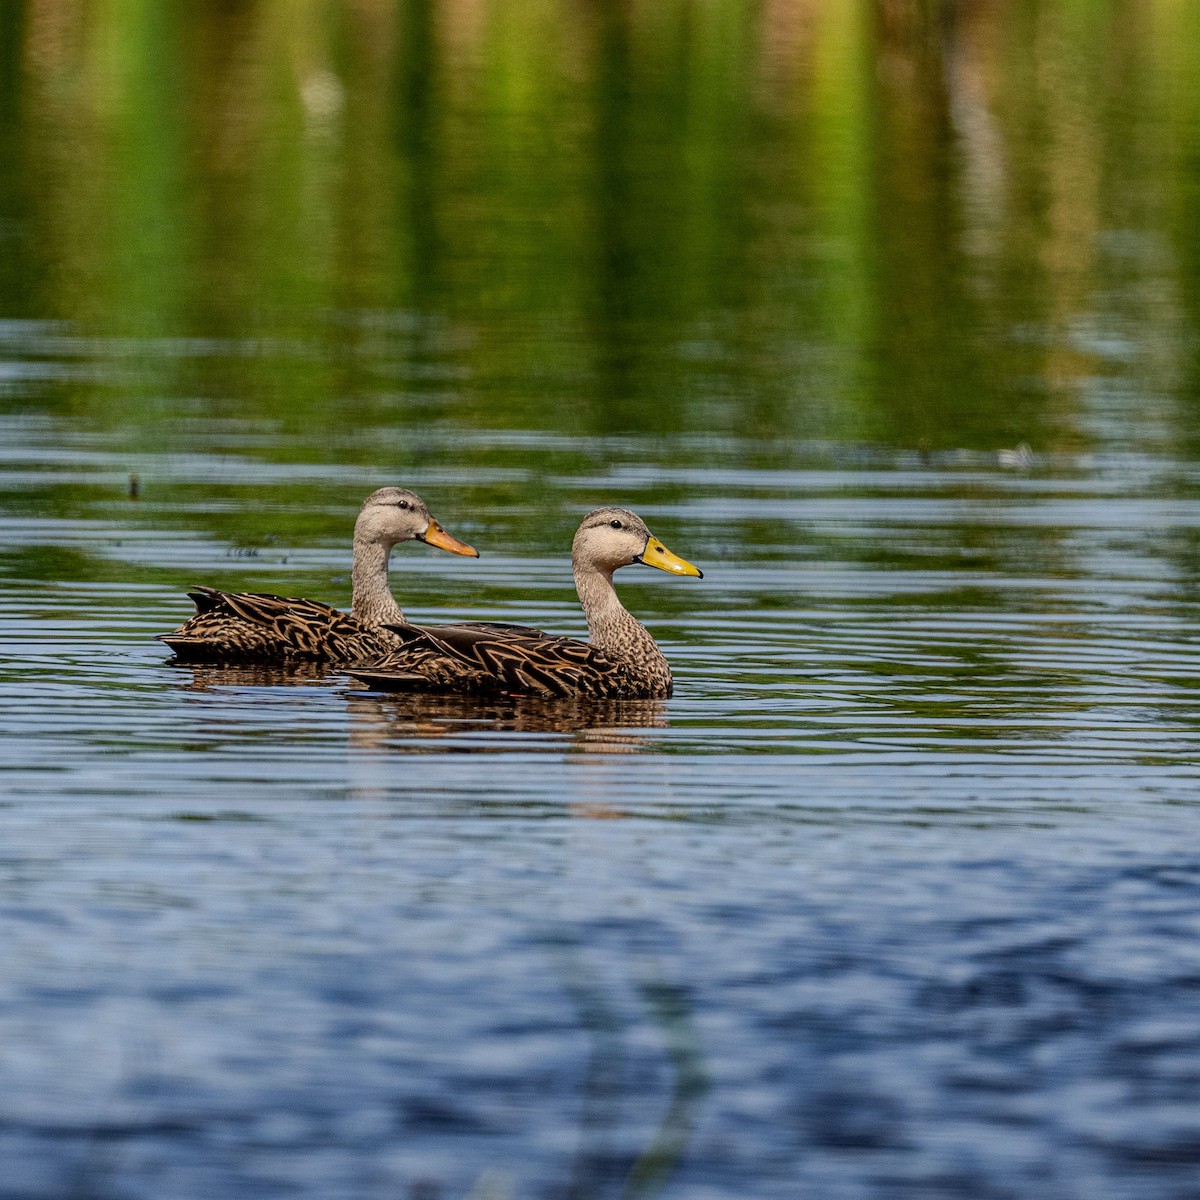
[{"x": 889, "y": 326}]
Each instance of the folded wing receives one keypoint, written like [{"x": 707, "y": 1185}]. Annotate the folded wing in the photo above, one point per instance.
[
  {"x": 257, "y": 626},
  {"x": 478, "y": 657}
]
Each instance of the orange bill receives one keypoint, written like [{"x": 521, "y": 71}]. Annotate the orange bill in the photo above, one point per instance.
[{"x": 435, "y": 535}]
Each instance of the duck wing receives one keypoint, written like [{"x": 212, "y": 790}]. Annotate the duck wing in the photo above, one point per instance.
[
  {"x": 258, "y": 627},
  {"x": 477, "y": 657},
  {"x": 500, "y": 628}
]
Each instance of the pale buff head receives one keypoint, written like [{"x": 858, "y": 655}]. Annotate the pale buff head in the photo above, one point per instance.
[
  {"x": 611, "y": 538},
  {"x": 394, "y": 514}
]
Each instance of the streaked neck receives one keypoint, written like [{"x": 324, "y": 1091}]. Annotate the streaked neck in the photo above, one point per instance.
[
  {"x": 373, "y": 602},
  {"x": 611, "y": 627}
]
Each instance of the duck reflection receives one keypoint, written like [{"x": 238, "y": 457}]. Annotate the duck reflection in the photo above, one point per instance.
[
  {"x": 210, "y": 677},
  {"x": 405, "y": 721}
]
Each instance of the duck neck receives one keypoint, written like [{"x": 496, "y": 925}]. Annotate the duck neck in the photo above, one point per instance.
[
  {"x": 612, "y": 629},
  {"x": 373, "y": 602}
]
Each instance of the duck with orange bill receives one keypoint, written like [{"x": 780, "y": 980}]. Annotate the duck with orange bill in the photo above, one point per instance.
[{"x": 244, "y": 627}]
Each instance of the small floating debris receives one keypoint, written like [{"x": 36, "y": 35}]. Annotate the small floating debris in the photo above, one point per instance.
[{"x": 1021, "y": 458}]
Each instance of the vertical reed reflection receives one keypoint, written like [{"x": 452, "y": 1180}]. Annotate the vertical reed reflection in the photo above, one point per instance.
[
  {"x": 603, "y": 1158},
  {"x": 652, "y": 1170},
  {"x": 797, "y": 221},
  {"x": 17, "y": 269},
  {"x": 418, "y": 218},
  {"x": 615, "y": 214}
]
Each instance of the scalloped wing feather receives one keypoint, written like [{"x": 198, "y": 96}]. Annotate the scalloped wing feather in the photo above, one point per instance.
[
  {"x": 259, "y": 627},
  {"x": 478, "y": 658}
]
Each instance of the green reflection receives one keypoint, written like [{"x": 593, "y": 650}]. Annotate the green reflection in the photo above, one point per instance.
[
  {"x": 385, "y": 235},
  {"x": 879, "y": 221}
]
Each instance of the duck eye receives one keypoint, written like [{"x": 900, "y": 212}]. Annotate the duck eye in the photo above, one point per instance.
[
  {"x": 615, "y": 524},
  {"x": 402, "y": 504}
]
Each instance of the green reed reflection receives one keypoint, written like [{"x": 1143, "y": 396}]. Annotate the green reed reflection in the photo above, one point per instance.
[{"x": 883, "y": 221}]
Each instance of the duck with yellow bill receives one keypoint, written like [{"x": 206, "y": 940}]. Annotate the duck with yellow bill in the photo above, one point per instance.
[{"x": 620, "y": 659}]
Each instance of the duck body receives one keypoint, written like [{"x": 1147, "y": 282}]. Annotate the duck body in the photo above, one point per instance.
[
  {"x": 476, "y": 659},
  {"x": 620, "y": 659},
  {"x": 253, "y": 627}
]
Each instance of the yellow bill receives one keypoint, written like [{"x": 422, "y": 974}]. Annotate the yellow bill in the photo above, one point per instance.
[
  {"x": 657, "y": 555},
  {"x": 435, "y": 535}
]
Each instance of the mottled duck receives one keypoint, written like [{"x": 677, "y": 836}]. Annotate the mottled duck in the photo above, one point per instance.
[
  {"x": 620, "y": 659},
  {"x": 243, "y": 627}
]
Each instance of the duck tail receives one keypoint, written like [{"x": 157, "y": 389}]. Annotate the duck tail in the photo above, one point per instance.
[{"x": 390, "y": 681}]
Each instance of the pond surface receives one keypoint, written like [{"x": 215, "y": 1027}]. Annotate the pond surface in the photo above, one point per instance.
[{"x": 890, "y": 327}]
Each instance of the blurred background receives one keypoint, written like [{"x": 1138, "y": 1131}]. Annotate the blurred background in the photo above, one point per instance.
[{"x": 922, "y": 225}]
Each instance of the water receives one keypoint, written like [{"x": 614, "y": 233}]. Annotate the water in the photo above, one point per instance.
[{"x": 887, "y": 322}]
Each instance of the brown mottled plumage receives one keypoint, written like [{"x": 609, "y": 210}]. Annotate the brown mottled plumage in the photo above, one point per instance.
[
  {"x": 240, "y": 627},
  {"x": 620, "y": 660}
]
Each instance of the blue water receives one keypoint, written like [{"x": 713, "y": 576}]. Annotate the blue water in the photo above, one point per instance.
[{"x": 898, "y": 896}]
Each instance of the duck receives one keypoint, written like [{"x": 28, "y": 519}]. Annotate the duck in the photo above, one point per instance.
[
  {"x": 619, "y": 661},
  {"x": 252, "y": 627}
]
